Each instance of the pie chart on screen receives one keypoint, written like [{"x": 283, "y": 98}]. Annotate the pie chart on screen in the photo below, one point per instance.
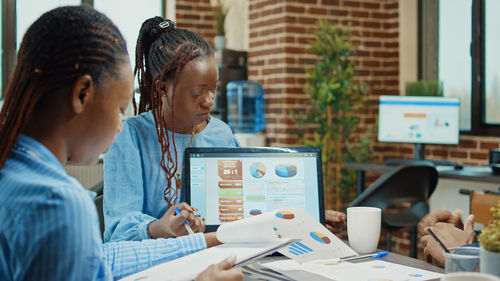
[
  {"x": 257, "y": 170},
  {"x": 285, "y": 170}
]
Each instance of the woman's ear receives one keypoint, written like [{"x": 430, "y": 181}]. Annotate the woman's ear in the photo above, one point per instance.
[
  {"x": 165, "y": 90},
  {"x": 83, "y": 89}
]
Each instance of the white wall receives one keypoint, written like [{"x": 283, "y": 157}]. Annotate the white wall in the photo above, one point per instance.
[{"x": 236, "y": 25}]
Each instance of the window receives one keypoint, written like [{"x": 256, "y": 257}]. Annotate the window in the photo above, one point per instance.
[
  {"x": 455, "y": 64},
  {"x": 27, "y": 11},
  {"x": 130, "y": 18},
  {"x": 469, "y": 39},
  {"x": 492, "y": 62},
  {"x": 128, "y": 15}
]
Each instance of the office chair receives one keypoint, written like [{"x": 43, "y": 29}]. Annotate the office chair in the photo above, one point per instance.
[
  {"x": 407, "y": 183},
  {"x": 98, "y": 204},
  {"x": 99, "y": 188}
]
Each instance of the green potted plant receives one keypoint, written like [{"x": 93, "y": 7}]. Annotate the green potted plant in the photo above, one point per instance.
[
  {"x": 489, "y": 240},
  {"x": 424, "y": 88},
  {"x": 220, "y": 13},
  {"x": 336, "y": 97}
]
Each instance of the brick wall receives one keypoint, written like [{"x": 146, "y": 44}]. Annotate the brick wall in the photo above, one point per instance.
[
  {"x": 472, "y": 150},
  {"x": 196, "y": 15},
  {"x": 279, "y": 54}
]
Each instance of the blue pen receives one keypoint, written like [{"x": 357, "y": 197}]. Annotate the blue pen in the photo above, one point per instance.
[
  {"x": 370, "y": 256},
  {"x": 186, "y": 223}
]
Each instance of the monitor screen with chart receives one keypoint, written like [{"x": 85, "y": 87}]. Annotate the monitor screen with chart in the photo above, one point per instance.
[
  {"x": 425, "y": 120},
  {"x": 228, "y": 184}
]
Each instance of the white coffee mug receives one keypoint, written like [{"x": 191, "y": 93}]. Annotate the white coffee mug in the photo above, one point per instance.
[{"x": 363, "y": 228}]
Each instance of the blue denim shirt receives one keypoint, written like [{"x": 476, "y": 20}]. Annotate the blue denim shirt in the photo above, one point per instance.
[
  {"x": 134, "y": 180},
  {"x": 49, "y": 229}
]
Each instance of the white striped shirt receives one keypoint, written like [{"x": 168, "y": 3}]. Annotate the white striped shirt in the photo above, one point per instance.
[{"x": 49, "y": 229}]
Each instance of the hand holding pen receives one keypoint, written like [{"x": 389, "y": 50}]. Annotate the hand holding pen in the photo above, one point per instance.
[
  {"x": 186, "y": 223},
  {"x": 174, "y": 221}
]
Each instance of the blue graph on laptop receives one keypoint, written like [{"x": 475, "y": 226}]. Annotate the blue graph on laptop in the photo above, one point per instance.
[{"x": 299, "y": 248}]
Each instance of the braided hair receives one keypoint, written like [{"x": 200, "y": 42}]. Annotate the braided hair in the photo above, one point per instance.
[
  {"x": 58, "y": 48},
  {"x": 161, "y": 53}
]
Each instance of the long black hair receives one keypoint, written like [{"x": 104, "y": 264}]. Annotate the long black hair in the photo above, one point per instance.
[{"x": 161, "y": 53}]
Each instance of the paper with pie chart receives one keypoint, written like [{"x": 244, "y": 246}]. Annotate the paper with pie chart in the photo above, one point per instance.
[{"x": 316, "y": 242}]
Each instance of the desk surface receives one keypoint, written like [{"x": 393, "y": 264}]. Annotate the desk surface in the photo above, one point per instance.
[
  {"x": 391, "y": 257},
  {"x": 468, "y": 173}
]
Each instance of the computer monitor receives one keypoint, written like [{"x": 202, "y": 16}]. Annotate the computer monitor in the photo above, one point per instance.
[
  {"x": 418, "y": 120},
  {"x": 228, "y": 184}
]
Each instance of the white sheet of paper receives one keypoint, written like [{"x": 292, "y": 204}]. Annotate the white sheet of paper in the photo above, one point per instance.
[
  {"x": 365, "y": 271},
  {"x": 317, "y": 242},
  {"x": 188, "y": 267},
  {"x": 253, "y": 229}
]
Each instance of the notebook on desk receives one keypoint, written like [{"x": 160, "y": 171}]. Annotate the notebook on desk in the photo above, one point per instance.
[{"x": 228, "y": 184}]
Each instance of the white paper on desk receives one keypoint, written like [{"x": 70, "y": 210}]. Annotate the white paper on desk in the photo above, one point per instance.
[
  {"x": 365, "y": 271},
  {"x": 251, "y": 237},
  {"x": 188, "y": 267}
]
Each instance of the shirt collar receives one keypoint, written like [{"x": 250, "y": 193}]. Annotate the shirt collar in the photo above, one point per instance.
[{"x": 35, "y": 149}]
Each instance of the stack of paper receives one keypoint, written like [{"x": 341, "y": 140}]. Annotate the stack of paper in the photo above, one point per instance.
[{"x": 293, "y": 232}]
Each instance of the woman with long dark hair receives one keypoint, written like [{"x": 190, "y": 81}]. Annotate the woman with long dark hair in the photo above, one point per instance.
[
  {"x": 143, "y": 170},
  {"x": 63, "y": 105}
]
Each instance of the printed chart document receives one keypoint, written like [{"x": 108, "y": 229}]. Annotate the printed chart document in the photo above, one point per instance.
[{"x": 292, "y": 232}]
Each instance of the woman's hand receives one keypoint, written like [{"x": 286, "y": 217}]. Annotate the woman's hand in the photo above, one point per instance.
[
  {"x": 172, "y": 224},
  {"x": 222, "y": 271},
  {"x": 334, "y": 220}
]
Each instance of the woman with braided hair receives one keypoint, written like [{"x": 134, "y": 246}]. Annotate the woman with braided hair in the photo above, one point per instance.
[
  {"x": 71, "y": 84},
  {"x": 177, "y": 76}
]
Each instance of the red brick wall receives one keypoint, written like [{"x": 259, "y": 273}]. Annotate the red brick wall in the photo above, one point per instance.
[
  {"x": 279, "y": 53},
  {"x": 472, "y": 150},
  {"x": 196, "y": 15}
]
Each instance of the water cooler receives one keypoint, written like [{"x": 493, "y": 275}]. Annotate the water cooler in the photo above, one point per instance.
[{"x": 245, "y": 104}]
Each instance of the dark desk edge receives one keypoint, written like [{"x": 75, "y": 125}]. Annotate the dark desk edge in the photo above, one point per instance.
[{"x": 465, "y": 174}]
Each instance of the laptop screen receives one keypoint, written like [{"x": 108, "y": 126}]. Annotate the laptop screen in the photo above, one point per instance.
[{"x": 228, "y": 184}]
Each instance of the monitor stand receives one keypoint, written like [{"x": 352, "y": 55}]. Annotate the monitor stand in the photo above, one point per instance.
[
  {"x": 419, "y": 151},
  {"x": 418, "y": 156}
]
